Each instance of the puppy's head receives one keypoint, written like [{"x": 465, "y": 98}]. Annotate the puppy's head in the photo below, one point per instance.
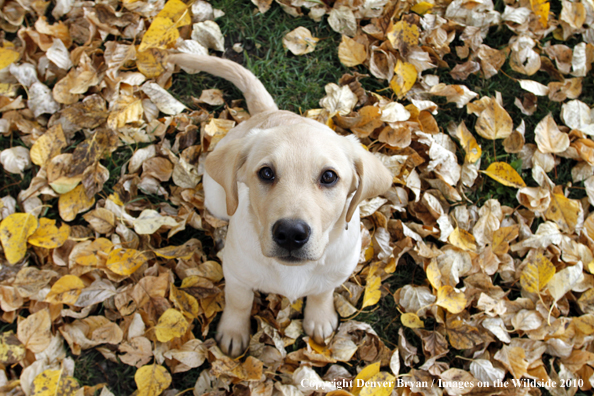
[{"x": 304, "y": 183}]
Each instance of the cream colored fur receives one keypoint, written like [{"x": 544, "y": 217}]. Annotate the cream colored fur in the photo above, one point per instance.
[{"x": 299, "y": 150}]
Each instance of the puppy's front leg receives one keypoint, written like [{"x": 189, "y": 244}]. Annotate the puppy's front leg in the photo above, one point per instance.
[
  {"x": 320, "y": 318},
  {"x": 233, "y": 333}
]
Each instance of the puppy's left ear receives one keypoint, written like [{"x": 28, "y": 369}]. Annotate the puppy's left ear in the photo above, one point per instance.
[{"x": 374, "y": 178}]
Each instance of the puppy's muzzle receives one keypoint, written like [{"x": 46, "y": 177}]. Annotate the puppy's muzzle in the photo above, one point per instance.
[{"x": 290, "y": 234}]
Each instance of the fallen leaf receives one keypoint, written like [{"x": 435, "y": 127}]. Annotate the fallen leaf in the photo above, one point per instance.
[
  {"x": 15, "y": 160},
  {"x": 549, "y": 138},
  {"x": 125, "y": 261},
  {"x": 300, "y": 41},
  {"x": 451, "y": 299},
  {"x": 163, "y": 30},
  {"x": 372, "y": 291},
  {"x": 209, "y": 35},
  {"x": 405, "y": 76},
  {"x": 494, "y": 122},
  {"x": 537, "y": 274},
  {"x": 162, "y": 99},
  {"x": 54, "y": 382},
  {"x": 462, "y": 239},
  {"x": 403, "y": 36},
  {"x": 364, "y": 375},
  {"x": 505, "y": 174},
  {"x": 48, "y": 235},
  {"x": 48, "y": 145},
  {"x": 541, "y": 9},
  {"x": 564, "y": 280},
  {"x": 7, "y": 57},
  {"x": 66, "y": 290},
  {"x": 381, "y": 384},
  {"x": 14, "y": 232},
  {"x": 350, "y": 52},
  {"x": 74, "y": 202},
  {"x": 411, "y": 320},
  {"x": 171, "y": 324},
  {"x": 566, "y": 212},
  {"x": 11, "y": 349},
  {"x": 35, "y": 331}
]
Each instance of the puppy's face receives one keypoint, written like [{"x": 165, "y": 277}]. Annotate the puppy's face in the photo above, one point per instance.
[{"x": 300, "y": 181}]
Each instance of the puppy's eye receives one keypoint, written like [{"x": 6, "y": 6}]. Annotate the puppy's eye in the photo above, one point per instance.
[
  {"x": 266, "y": 174},
  {"x": 329, "y": 178}
]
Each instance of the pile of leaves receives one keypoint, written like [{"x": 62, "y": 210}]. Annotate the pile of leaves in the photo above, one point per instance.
[{"x": 509, "y": 290}]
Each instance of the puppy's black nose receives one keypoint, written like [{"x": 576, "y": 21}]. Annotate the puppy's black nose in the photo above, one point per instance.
[{"x": 290, "y": 234}]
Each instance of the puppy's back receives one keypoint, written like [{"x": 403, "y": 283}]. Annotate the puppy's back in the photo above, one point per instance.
[{"x": 257, "y": 97}]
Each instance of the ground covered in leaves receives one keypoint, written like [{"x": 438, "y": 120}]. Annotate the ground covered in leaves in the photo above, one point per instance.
[{"x": 476, "y": 270}]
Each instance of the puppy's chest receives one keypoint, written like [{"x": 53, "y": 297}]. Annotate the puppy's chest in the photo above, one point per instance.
[{"x": 295, "y": 282}]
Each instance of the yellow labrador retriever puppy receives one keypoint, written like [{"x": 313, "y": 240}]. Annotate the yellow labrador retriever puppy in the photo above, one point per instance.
[{"x": 290, "y": 188}]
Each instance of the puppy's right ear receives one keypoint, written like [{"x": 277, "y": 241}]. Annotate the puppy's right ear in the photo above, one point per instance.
[{"x": 223, "y": 165}]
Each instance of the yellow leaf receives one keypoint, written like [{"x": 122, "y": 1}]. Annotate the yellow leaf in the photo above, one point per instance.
[
  {"x": 35, "y": 331},
  {"x": 505, "y": 174},
  {"x": 321, "y": 349},
  {"x": 171, "y": 324},
  {"x": 14, "y": 232},
  {"x": 152, "y": 380},
  {"x": 537, "y": 274},
  {"x": 494, "y": 122},
  {"x": 434, "y": 274},
  {"x": 11, "y": 349},
  {"x": 184, "y": 302},
  {"x": 298, "y": 305},
  {"x": 422, "y": 8},
  {"x": 403, "y": 36},
  {"x": 52, "y": 383},
  {"x": 93, "y": 254},
  {"x": 585, "y": 323},
  {"x": 450, "y": 299},
  {"x": 350, "y": 52},
  {"x": 48, "y": 235},
  {"x": 411, "y": 320},
  {"x": 151, "y": 62},
  {"x": 405, "y": 76},
  {"x": 163, "y": 30},
  {"x": 471, "y": 147},
  {"x": 364, "y": 375},
  {"x": 48, "y": 145},
  {"x": 66, "y": 290},
  {"x": 502, "y": 237},
  {"x": 115, "y": 198},
  {"x": 462, "y": 239},
  {"x": 125, "y": 261},
  {"x": 541, "y": 9},
  {"x": 7, "y": 57},
  {"x": 563, "y": 211},
  {"x": 372, "y": 291},
  {"x": 74, "y": 202},
  {"x": 380, "y": 384},
  {"x": 368, "y": 252}
]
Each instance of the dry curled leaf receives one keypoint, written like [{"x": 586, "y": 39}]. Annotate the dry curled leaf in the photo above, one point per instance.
[{"x": 300, "y": 41}]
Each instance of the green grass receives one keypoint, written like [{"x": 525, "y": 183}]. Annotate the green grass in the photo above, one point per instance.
[{"x": 295, "y": 82}]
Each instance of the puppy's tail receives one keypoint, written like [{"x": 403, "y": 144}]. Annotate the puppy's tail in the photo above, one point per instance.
[{"x": 257, "y": 97}]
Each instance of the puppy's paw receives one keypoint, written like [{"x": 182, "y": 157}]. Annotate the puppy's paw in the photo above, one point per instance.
[
  {"x": 233, "y": 335},
  {"x": 319, "y": 323}
]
